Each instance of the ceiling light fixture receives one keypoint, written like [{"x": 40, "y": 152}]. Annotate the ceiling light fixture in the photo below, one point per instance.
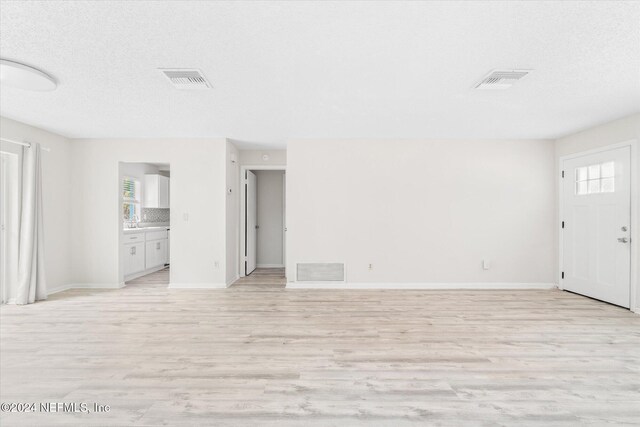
[{"x": 21, "y": 76}]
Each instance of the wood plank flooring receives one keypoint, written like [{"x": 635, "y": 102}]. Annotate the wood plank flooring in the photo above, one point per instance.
[
  {"x": 254, "y": 356},
  {"x": 263, "y": 278}
]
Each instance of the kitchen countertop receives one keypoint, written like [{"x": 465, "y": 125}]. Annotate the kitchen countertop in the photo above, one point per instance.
[{"x": 157, "y": 227}]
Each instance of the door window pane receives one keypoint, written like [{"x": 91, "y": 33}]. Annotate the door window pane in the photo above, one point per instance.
[
  {"x": 607, "y": 185},
  {"x": 607, "y": 170},
  {"x": 581, "y": 188},
  {"x": 594, "y": 179},
  {"x": 581, "y": 174}
]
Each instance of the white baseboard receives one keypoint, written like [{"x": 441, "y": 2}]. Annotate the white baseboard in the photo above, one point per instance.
[
  {"x": 197, "y": 286},
  {"x": 96, "y": 286},
  {"x": 58, "y": 289},
  {"x": 425, "y": 286},
  {"x": 230, "y": 282},
  {"x": 269, "y": 265}
]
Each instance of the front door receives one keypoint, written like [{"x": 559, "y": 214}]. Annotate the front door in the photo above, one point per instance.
[{"x": 596, "y": 225}]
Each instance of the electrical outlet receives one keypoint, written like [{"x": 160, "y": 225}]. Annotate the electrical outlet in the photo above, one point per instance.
[
  {"x": 486, "y": 264},
  {"x": 370, "y": 267},
  {"x": 216, "y": 265},
  {"x": 185, "y": 216}
]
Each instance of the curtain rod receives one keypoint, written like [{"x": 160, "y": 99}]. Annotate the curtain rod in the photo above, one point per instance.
[{"x": 26, "y": 144}]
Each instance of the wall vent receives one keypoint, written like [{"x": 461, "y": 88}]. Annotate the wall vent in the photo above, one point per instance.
[
  {"x": 501, "y": 79},
  {"x": 183, "y": 78},
  {"x": 320, "y": 272}
]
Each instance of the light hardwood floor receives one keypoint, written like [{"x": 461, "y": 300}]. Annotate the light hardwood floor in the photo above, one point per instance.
[
  {"x": 258, "y": 356},
  {"x": 263, "y": 278}
]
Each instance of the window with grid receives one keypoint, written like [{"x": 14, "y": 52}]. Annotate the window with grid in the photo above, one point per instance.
[
  {"x": 593, "y": 179},
  {"x": 130, "y": 199}
]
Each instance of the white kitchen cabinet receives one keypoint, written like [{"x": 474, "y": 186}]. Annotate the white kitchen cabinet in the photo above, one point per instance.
[
  {"x": 156, "y": 191},
  {"x": 155, "y": 253},
  {"x": 134, "y": 258}
]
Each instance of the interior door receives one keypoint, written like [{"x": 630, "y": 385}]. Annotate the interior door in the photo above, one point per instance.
[
  {"x": 251, "y": 223},
  {"x": 596, "y": 225}
]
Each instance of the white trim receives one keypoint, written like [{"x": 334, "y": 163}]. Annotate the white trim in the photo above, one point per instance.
[
  {"x": 232, "y": 281},
  {"x": 243, "y": 170},
  {"x": 197, "y": 286},
  {"x": 58, "y": 289},
  {"x": 418, "y": 286},
  {"x": 635, "y": 218},
  {"x": 269, "y": 265},
  {"x": 96, "y": 286}
]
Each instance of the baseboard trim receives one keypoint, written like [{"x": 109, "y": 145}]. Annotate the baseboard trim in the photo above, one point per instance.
[
  {"x": 231, "y": 282},
  {"x": 58, "y": 289},
  {"x": 418, "y": 286},
  {"x": 197, "y": 286},
  {"x": 269, "y": 265},
  {"x": 96, "y": 286}
]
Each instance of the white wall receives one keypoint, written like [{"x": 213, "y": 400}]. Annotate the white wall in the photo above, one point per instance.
[
  {"x": 270, "y": 218},
  {"x": 254, "y": 157},
  {"x": 197, "y": 189},
  {"x": 622, "y": 130},
  {"x": 232, "y": 212},
  {"x": 57, "y": 200},
  {"x": 423, "y": 211}
]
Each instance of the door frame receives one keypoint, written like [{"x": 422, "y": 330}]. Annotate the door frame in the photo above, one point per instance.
[
  {"x": 635, "y": 222},
  {"x": 241, "y": 243}
]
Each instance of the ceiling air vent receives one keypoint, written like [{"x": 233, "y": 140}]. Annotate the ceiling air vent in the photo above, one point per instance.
[
  {"x": 501, "y": 79},
  {"x": 183, "y": 78}
]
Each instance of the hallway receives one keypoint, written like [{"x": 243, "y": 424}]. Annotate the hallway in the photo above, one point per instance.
[{"x": 263, "y": 278}]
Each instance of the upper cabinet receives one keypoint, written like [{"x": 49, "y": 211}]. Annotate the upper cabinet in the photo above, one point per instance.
[{"x": 156, "y": 191}]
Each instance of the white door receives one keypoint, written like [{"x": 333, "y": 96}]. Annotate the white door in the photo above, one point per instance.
[
  {"x": 596, "y": 225},
  {"x": 251, "y": 232}
]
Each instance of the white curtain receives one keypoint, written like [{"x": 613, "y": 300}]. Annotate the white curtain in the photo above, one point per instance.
[{"x": 31, "y": 278}]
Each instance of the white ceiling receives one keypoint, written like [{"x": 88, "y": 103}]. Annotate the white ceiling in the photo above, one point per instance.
[{"x": 283, "y": 70}]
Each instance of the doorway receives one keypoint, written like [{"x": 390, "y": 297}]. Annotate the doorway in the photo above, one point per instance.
[
  {"x": 596, "y": 225},
  {"x": 144, "y": 226},
  {"x": 263, "y": 223}
]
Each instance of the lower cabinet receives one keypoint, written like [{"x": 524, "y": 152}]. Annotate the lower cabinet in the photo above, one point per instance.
[
  {"x": 155, "y": 253},
  {"x": 134, "y": 258},
  {"x": 144, "y": 252}
]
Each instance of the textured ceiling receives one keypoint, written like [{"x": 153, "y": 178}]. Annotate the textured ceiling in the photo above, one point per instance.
[{"x": 323, "y": 69}]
